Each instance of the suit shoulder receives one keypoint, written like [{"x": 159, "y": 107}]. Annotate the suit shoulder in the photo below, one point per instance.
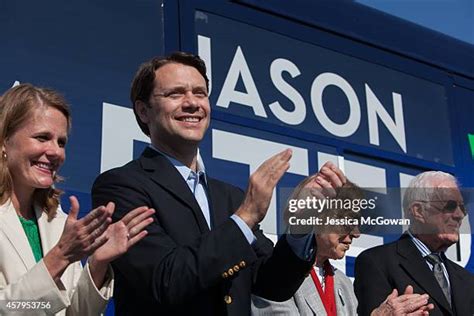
[
  {"x": 463, "y": 272},
  {"x": 129, "y": 166},
  {"x": 378, "y": 251},
  {"x": 343, "y": 278},
  {"x": 118, "y": 173}
]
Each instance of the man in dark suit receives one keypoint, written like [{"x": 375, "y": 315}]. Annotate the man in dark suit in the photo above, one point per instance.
[
  {"x": 435, "y": 208},
  {"x": 204, "y": 254}
]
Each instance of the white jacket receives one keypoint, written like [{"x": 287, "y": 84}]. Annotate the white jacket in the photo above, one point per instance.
[{"x": 22, "y": 279}]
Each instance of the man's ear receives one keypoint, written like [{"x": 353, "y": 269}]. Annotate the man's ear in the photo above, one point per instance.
[
  {"x": 417, "y": 213},
  {"x": 142, "y": 111}
]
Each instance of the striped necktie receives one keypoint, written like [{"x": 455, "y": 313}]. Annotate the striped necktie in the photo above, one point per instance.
[{"x": 438, "y": 272}]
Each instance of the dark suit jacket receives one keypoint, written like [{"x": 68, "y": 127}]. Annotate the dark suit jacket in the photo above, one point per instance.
[
  {"x": 178, "y": 268},
  {"x": 396, "y": 265}
]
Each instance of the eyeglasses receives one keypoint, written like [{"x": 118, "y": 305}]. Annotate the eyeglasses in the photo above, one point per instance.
[{"x": 449, "y": 207}]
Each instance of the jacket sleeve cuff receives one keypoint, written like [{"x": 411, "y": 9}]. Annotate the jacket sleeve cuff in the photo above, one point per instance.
[
  {"x": 106, "y": 291},
  {"x": 244, "y": 228}
]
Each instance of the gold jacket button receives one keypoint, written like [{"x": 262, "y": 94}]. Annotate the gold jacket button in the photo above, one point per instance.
[
  {"x": 236, "y": 268},
  {"x": 225, "y": 275},
  {"x": 242, "y": 264},
  {"x": 230, "y": 272},
  {"x": 227, "y": 299}
]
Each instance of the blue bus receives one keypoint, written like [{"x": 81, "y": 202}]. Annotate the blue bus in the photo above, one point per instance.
[{"x": 383, "y": 98}]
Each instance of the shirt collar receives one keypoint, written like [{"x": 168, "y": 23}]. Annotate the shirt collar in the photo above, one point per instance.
[
  {"x": 422, "y": 248},
  {"x": 320, "y": 270},
  {"x": 183, "y": 170}
]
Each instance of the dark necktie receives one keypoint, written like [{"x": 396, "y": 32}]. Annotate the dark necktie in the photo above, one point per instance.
[{"x": 435, "y": 260}]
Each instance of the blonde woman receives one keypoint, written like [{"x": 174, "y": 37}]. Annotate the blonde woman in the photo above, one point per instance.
[{"x": 40, "y": 246}]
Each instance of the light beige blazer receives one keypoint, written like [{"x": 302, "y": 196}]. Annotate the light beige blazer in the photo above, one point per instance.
[
  {"x": 21, "y": 278},
  {"x": 306, "y": 301}
]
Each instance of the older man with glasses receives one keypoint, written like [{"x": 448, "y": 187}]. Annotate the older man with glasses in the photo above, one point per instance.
[{"x": 435, "y": 207}]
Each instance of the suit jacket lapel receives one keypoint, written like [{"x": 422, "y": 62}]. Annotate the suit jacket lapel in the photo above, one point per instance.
[
  {"x": 165, "y": 174},
  {"x": 416, "y": 266},
  {"x": 310, "y": 293},
  {"x": 216, "y": 202},
  {"x": 11, "y": 226},
  {"x": 459, "y": 293},
  {"x": 339, "y": 295},
  {"x": 49, "y": 231}
]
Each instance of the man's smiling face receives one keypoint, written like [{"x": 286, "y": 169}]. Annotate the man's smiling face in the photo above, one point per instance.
[{"x": 178, "y": 111}]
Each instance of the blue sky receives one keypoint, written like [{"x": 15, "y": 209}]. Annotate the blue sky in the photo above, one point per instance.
[{"x": 452, "y": 17}]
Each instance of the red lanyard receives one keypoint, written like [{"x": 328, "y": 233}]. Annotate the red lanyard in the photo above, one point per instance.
[{"x": 327, "y": 296}]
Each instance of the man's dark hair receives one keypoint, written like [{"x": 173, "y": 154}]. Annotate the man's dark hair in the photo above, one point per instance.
[{"x": 143, "y": 82}]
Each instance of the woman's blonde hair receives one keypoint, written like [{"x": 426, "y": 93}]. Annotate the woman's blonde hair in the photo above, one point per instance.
[{"x": 16, "y": 107}]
